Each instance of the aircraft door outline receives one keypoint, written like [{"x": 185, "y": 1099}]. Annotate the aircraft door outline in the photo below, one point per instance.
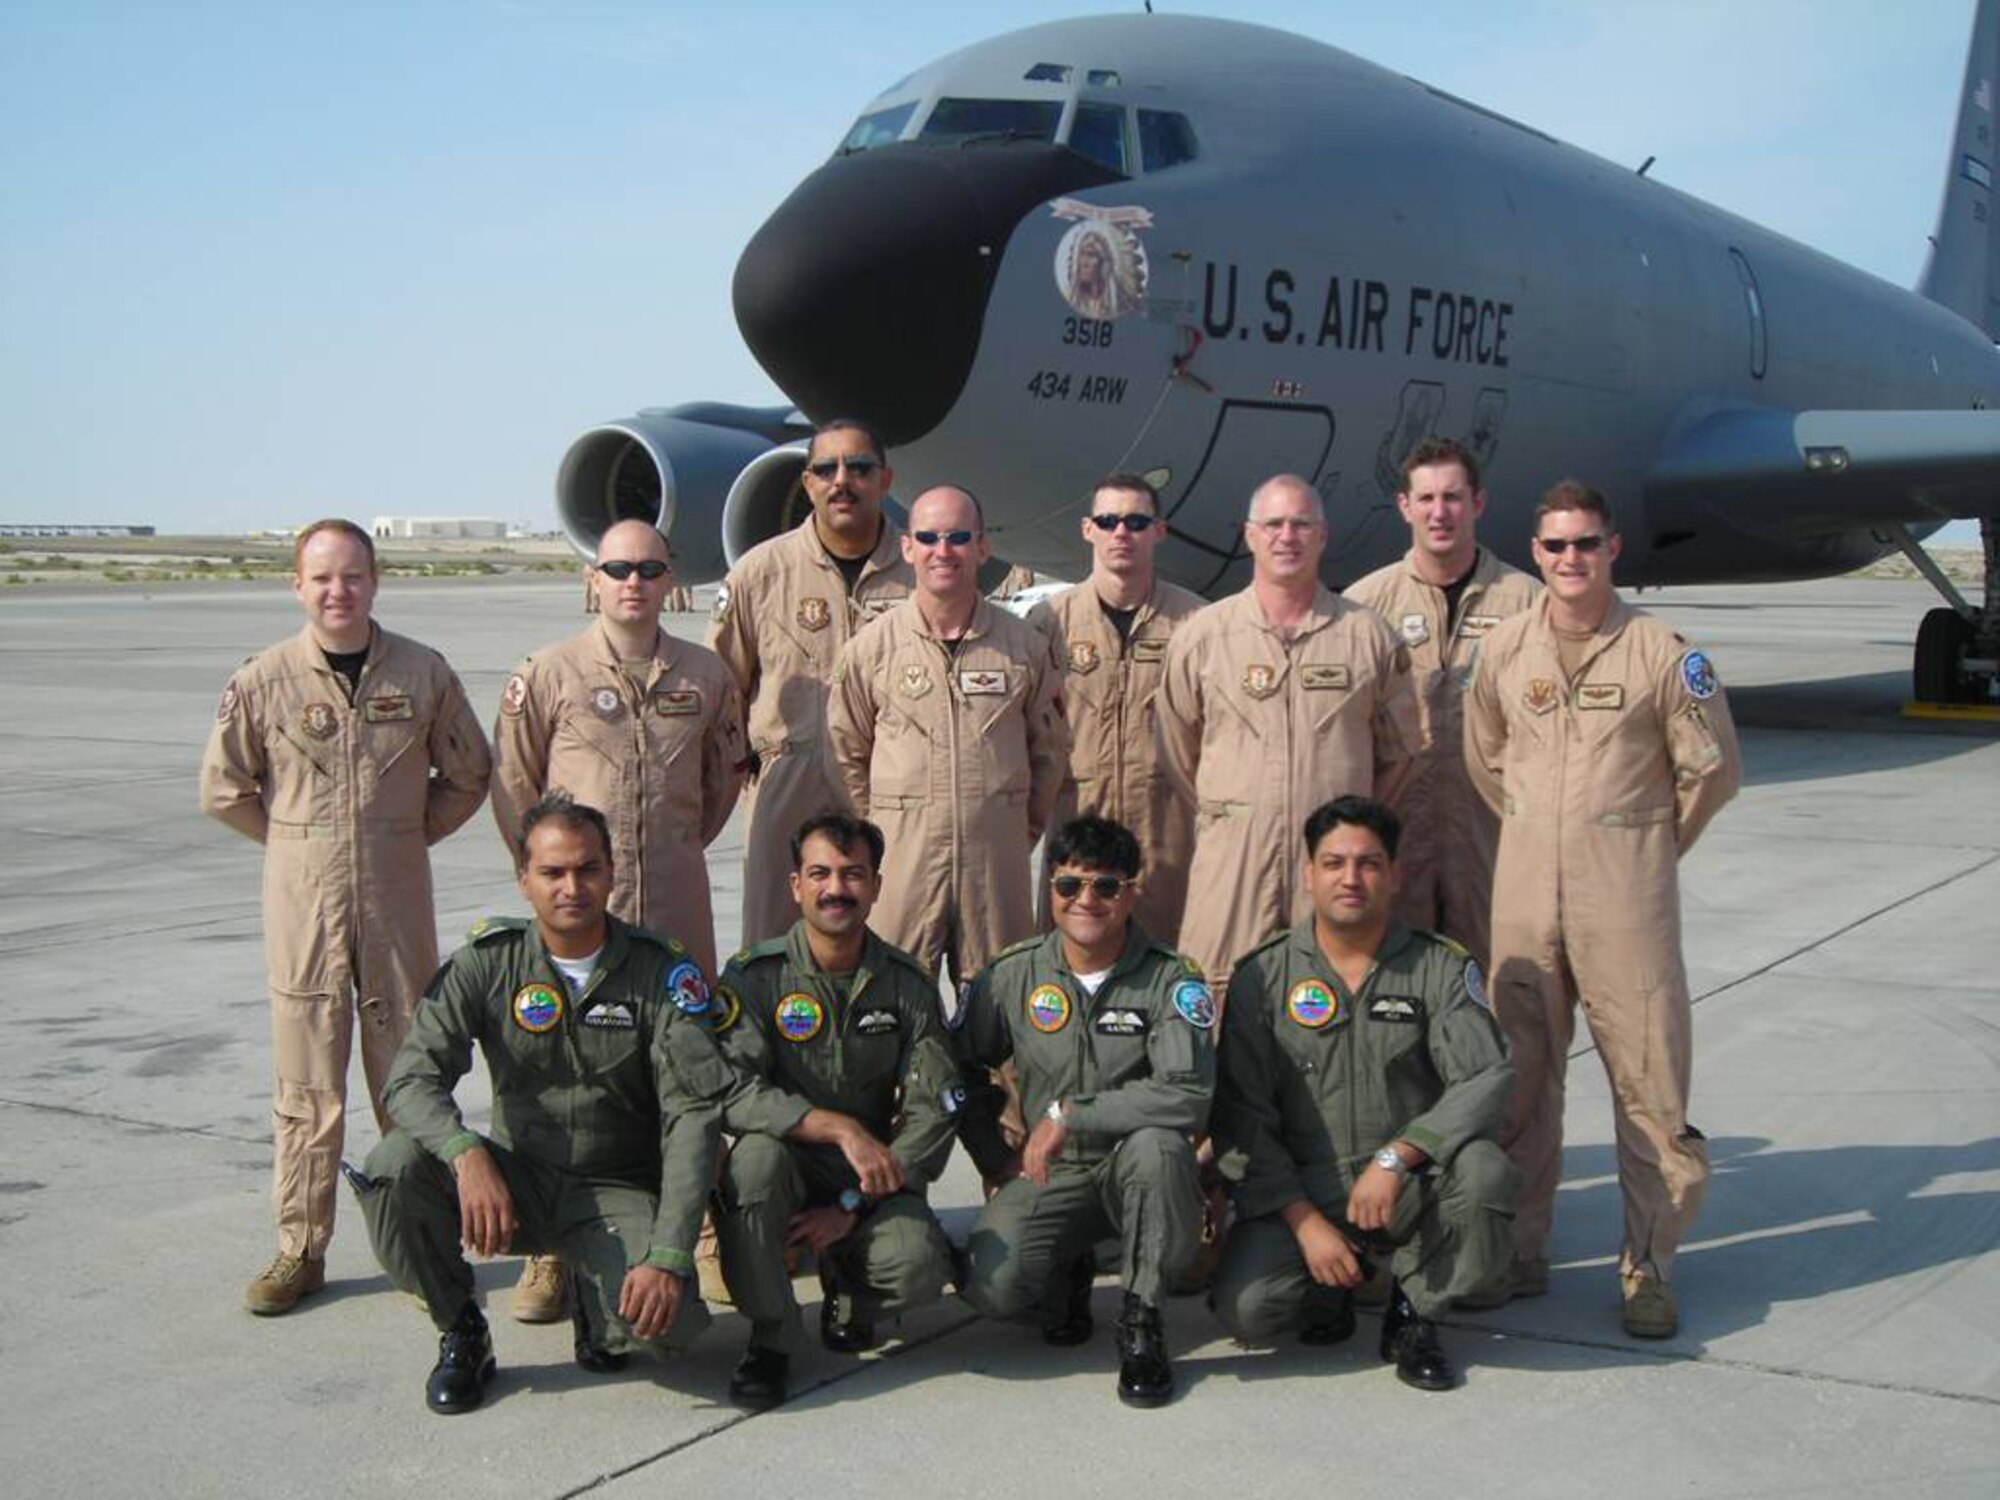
[{"x": 1228, "y": 557}]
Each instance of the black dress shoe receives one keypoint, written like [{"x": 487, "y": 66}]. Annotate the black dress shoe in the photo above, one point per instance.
[
  {"x": 591, "y": 1354},
  {"x": 465, "y": 1364},
  {"x": 843, "y": 1327},
  {"x": 1411, "y": 1341},
  {"x": 1071, "y": 1324},
  {"x": 1145, "y": 1378},
  {"x": 760, "y": 1378},
  {"x": 1329, "y": 1319}
]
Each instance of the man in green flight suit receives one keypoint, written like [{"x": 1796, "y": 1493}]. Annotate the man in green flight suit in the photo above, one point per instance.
[
  {"x": 608, "y": 1092},
  {"x": 1110, "y": 1034},
  {"x": 847, "y": 1117},
  {"x": 1362, "y": 1082}
]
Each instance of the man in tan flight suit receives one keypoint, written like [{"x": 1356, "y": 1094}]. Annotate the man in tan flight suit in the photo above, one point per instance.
[
  {"x": 789, "y": 605},
  {"x": 346, "y": 752},
  {"x": 1111, "y": 634},
  {"x": 1276, "y": 700},
  {"x": 945, "y": 727},
  {"x": 1442, "y": 598},
  {"x": 1606, "y": 746},
  {"x": 646, "y": 728}
]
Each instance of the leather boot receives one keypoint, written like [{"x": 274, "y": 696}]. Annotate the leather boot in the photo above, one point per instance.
[
  {"x": 1411, "y": 1341},
  {"x": 464, "y": 1366},
  {"x": 1145, "y": 1378}
]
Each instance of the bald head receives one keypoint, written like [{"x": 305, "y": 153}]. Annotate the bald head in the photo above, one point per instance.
[
  {"x": 1287, "y": 534},
  {"x": 631, "y": 541},
  {"x": 1286, "y": 485},
  {"x": 631, "y": 605},
  {"x": 947, "y": 565}
]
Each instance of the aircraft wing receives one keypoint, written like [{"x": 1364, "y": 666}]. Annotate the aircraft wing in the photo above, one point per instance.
[{"x": 1771, "y": 470}]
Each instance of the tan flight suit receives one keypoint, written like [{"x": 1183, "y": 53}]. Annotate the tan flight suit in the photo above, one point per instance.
[
  {"x": 957, "y": 756},
  {"x": 1256, "y": 732},
  {"x": 1601, "y": 785},
  {"x": 346, "y": 798},
  {"x": 1114, "y": 764},
  {"x": 786, "y": 614},
  {"x": 660, "y": 755},
  {"x": 1450, "y": 835}
]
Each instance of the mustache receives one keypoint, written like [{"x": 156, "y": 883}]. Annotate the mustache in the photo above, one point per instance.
[{"x": 837, "y": 903}]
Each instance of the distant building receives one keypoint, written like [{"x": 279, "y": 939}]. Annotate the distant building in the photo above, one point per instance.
[
  {"x": 418, "y": 528},
  {"x": 68, "y": 528}
]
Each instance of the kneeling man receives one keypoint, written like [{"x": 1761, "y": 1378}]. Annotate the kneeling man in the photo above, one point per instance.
[
  {"x": 1362, "y": 1082},
  {"x": 608, "y": 1093}
]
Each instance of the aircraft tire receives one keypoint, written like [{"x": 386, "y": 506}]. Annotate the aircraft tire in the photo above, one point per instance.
[{"x": 1942, "y": 641}]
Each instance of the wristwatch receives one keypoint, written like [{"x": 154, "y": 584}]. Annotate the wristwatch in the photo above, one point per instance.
[
  {"x": 1391, "y": 1160},
  {"x": 1055, "y": 1111},
  {"x": 854, "y": 1201}
]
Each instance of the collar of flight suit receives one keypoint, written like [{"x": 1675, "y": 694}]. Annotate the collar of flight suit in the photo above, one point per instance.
[
  {"x": 1608, "y": 629},
  {"x": 666, "y": 651},
  {"x": 612, "y": 957},
  {"x": 874, "y": 958},
  {"x": 1327, "y": 607},
  {"x": 1148, "y": 606},
  {"x": 1137, "y": 946},
  {"x": 888, "y": 547},
  {"x": 980, "y": 625},
  {"x": 1485, "y": 572},
  {"x": 310, "y": 653},
  {"x": 1395, "y": 939}
]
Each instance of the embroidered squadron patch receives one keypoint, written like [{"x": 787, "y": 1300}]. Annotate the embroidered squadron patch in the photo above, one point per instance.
[
  {"x": 1475, "y": 987},
  {"x": 1260, "y": 680},
  {"x": 983, "y": 682},
  {"x": 799, "y": 1017},
  {"x": 676, "y": 703},
  {"x": 1319, "y": 678},
  {"x": 226, "y": 709},
  {"x": 915, "y": 681},
  {"x": 1416, "y": 630},
  {"x": 1312, "y": 1004},
  {"x": 320, "y": 721},
  {"x": 1194, "y": 1003},
  {"x": 1048, "y": 1008},
  {"x": 537, "y": 1008},
  {"x": 1083, "y": 657},
  {"x": 605, "y": 703},
  {"x": 688, "y": 989},
  {"x": 515, "y": 697},
  {"x": 1698, "y": 673},
  {"x": 814, "y": 613},
  {"x": 1541, "y": 695}
]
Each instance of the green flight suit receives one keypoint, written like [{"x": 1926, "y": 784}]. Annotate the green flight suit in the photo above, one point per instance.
[
  {"x": 1316, "y": 1078},
  {"x": 1134, "y": 1067},
  {"x": 607, "y": 1114},
  {"x": 869, "y": 1045}
]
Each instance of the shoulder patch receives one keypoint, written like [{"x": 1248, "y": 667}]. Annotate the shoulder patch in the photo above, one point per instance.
[
  {"x": 1194, "y": 1004},
  {"x": 487, "y": 928},
  {"x": 688, "y": 989},
  {"x": 728, "y": 1008},
  {"x": 1475, "y": 986},
  {"x": 1698, "y": 675}
]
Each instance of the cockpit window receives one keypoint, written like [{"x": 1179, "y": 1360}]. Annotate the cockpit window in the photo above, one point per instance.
[
  {"x": 1048, "y": 73},
  {"x": 1165, "y": 139},
  {"x": 1007, "y": 119},
  {"x": 880, "y": 128},
  {"x": 1098, "y": 132},
  {"x": 1103, "y": 78}
]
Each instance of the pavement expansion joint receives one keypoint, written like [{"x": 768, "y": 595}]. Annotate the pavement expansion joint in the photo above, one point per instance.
[{"x": 107, "y": 1117}]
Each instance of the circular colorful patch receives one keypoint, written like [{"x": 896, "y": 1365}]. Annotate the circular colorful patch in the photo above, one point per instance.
[
  {"x": 1475, "y": 986},
  {"x": 687, "y": 989},
  {"x": 537, "y": 1008},
  {"x": 1048, "y": 1008},
  {"x": 1194, "y": 1003},
  {"x": 729, "y": 1008},
  {"x": 1698, "y": 673},
  {"x": 799, "y": 1017},
  {"x": 1312, "y": 1003}
]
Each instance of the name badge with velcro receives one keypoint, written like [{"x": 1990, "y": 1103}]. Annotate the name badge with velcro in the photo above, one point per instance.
[
  {"x": 1149, "y": 651},
  {"x": 388, "y": 710},
  {"x": 983, "y": 682},
  {"x": 614, "y": 1014},
  {"x": 1319, "y": 678},
  {"x": 677, "y": 702},
  {"x": 1118, "y": 1022},
  {"x": 1601, "y": 695},
  {"x": 878, "y": 1023},
  {"x": 1395, "y": 1008}
]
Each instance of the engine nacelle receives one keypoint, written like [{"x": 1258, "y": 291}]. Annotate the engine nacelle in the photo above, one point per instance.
[
  {"x": 768, "y": 497},
  {"x": 674, "y": 469}
]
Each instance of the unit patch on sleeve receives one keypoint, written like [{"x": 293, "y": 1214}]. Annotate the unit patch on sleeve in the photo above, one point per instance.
[
  {"x": 1194, "y": 1003},
  {"x": 1698, "y": 673}
]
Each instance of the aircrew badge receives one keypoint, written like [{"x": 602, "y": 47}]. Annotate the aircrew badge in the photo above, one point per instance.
[
  {"x": 1260, "y": 680},
  {"x": 1048, "y": 1008},
  {"x": 1698, "y": 673},
  {"x": 606, "y": 702},
  {"x": 1195, "y": 1004},
  {"x": 1083, "y": 657},
  {"x": 537, "y": 1008},
  {"x": 1541, "y": 695},
  {"x": 915, "y": 681},
  {"x": 677, "y": 702},
  {"x": 1312, "y": 1003},
  {"x": 687, "y": 989},
  {"x": 799, "y": 1017},
  {"x": 814, "y": 614},
  {"x": 320, "y": 721}
]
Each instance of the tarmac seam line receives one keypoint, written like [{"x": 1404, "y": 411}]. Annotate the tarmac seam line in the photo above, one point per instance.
[{"x": 75, "y": 1112}]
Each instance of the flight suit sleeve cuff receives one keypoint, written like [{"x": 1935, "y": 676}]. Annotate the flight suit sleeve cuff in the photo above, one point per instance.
[
  {"x": 1433, "y": 1145},
  {"x": 459, "y": 1144},
  {"x": 677, "y": 1261}
]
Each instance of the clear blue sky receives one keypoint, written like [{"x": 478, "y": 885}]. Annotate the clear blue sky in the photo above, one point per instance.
[{"x": 263, "y": 261}]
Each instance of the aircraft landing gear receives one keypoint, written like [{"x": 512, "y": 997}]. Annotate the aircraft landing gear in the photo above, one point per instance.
[{"x": 1958, "y": 649}]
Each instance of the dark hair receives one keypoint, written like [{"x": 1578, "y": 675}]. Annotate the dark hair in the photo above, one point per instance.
[
  {"x": 1138, "y": 484},
  {"x": 1574, "y": 494},
  {"x": 1437, "y": 450},
  {"x": 1095, "y": 844},
  {"x": 559, "y": 807},
  {"x": 1359, "y": 812},
  {"x": 843, "y": 833},
  {"x": 340, "y": 527},
  {"x": 849, "y": 424}
]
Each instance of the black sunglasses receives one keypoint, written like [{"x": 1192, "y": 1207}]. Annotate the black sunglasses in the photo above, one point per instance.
[
  {"x": 1557, "y": 545},
  {"x": 621, "y": 570},
  {"x": 932, "y": 538},
  {"x": 860, "y": 468},
  {"x": 1104, "y": 887},
  {"x": 1131, "y": 521}
]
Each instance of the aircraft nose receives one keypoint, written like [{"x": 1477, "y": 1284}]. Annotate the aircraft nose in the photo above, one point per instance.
[{"x": 865, "y": 293}]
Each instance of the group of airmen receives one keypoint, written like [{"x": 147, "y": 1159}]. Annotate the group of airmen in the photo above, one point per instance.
[{"x": 1286, "y": 1016}]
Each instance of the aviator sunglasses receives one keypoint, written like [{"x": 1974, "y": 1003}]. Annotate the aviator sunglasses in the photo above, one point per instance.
[
  {"x": 1556, "y": 546},
  {"x": 1103, "y": 887},
  {"x": 621, "y": 570},
  {"x": 932, "y": 538},
  {"x": 1134, "y": 521},
  {"x": 860, "y": 468}
]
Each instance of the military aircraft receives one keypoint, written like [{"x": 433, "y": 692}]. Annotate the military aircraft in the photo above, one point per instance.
[{"x": 1210, "y": 252}]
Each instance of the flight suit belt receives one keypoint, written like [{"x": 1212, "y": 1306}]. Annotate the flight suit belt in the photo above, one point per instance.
[
  {"x": 369, "y": 828},
  {"x": 1223, "y": 809},
  {"x": 765, "y": 749},
  {"x": 1645, "y": 817},
  {"x": 1008, "y": 799}
]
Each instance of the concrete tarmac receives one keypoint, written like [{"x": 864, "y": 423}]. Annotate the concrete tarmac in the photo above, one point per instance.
[{"x": 1841, "y": 1295}]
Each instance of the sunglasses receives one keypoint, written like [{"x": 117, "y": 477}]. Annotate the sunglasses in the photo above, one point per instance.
[
  {"x": 860, "y": 468},
  {"x": 1277, "y": 524},
  {"x": 1133, "y": 521},
  {"x": 621, "y": 570},
  {"x": 1103, "y": 887},
  {"x": 932, "y": 538},
  {"x": 1556, "y": 546}
]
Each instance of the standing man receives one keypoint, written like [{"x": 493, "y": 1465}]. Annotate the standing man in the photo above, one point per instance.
[
  {"x": 1442, "y": 599},
  {"x": 945, "y": 727},
  {"x": 1111, "y": 634},
  {"x": 1109, "y": 1032},
  {"x": 848, "y": 1118},
  {"x": 788, "y": 607},
  {"x": 346, "y": 752},
  {"x": 1362, "y": 1082},
  {"x": 649, "y": 730},
  {"x": 1276, "y": 700},
  {"x": 1605, "y": 744},
  {"x": 608, "y": 1094}
]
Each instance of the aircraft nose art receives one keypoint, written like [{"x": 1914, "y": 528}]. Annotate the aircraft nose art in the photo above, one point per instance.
[{"x": 865, "y": 293}]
